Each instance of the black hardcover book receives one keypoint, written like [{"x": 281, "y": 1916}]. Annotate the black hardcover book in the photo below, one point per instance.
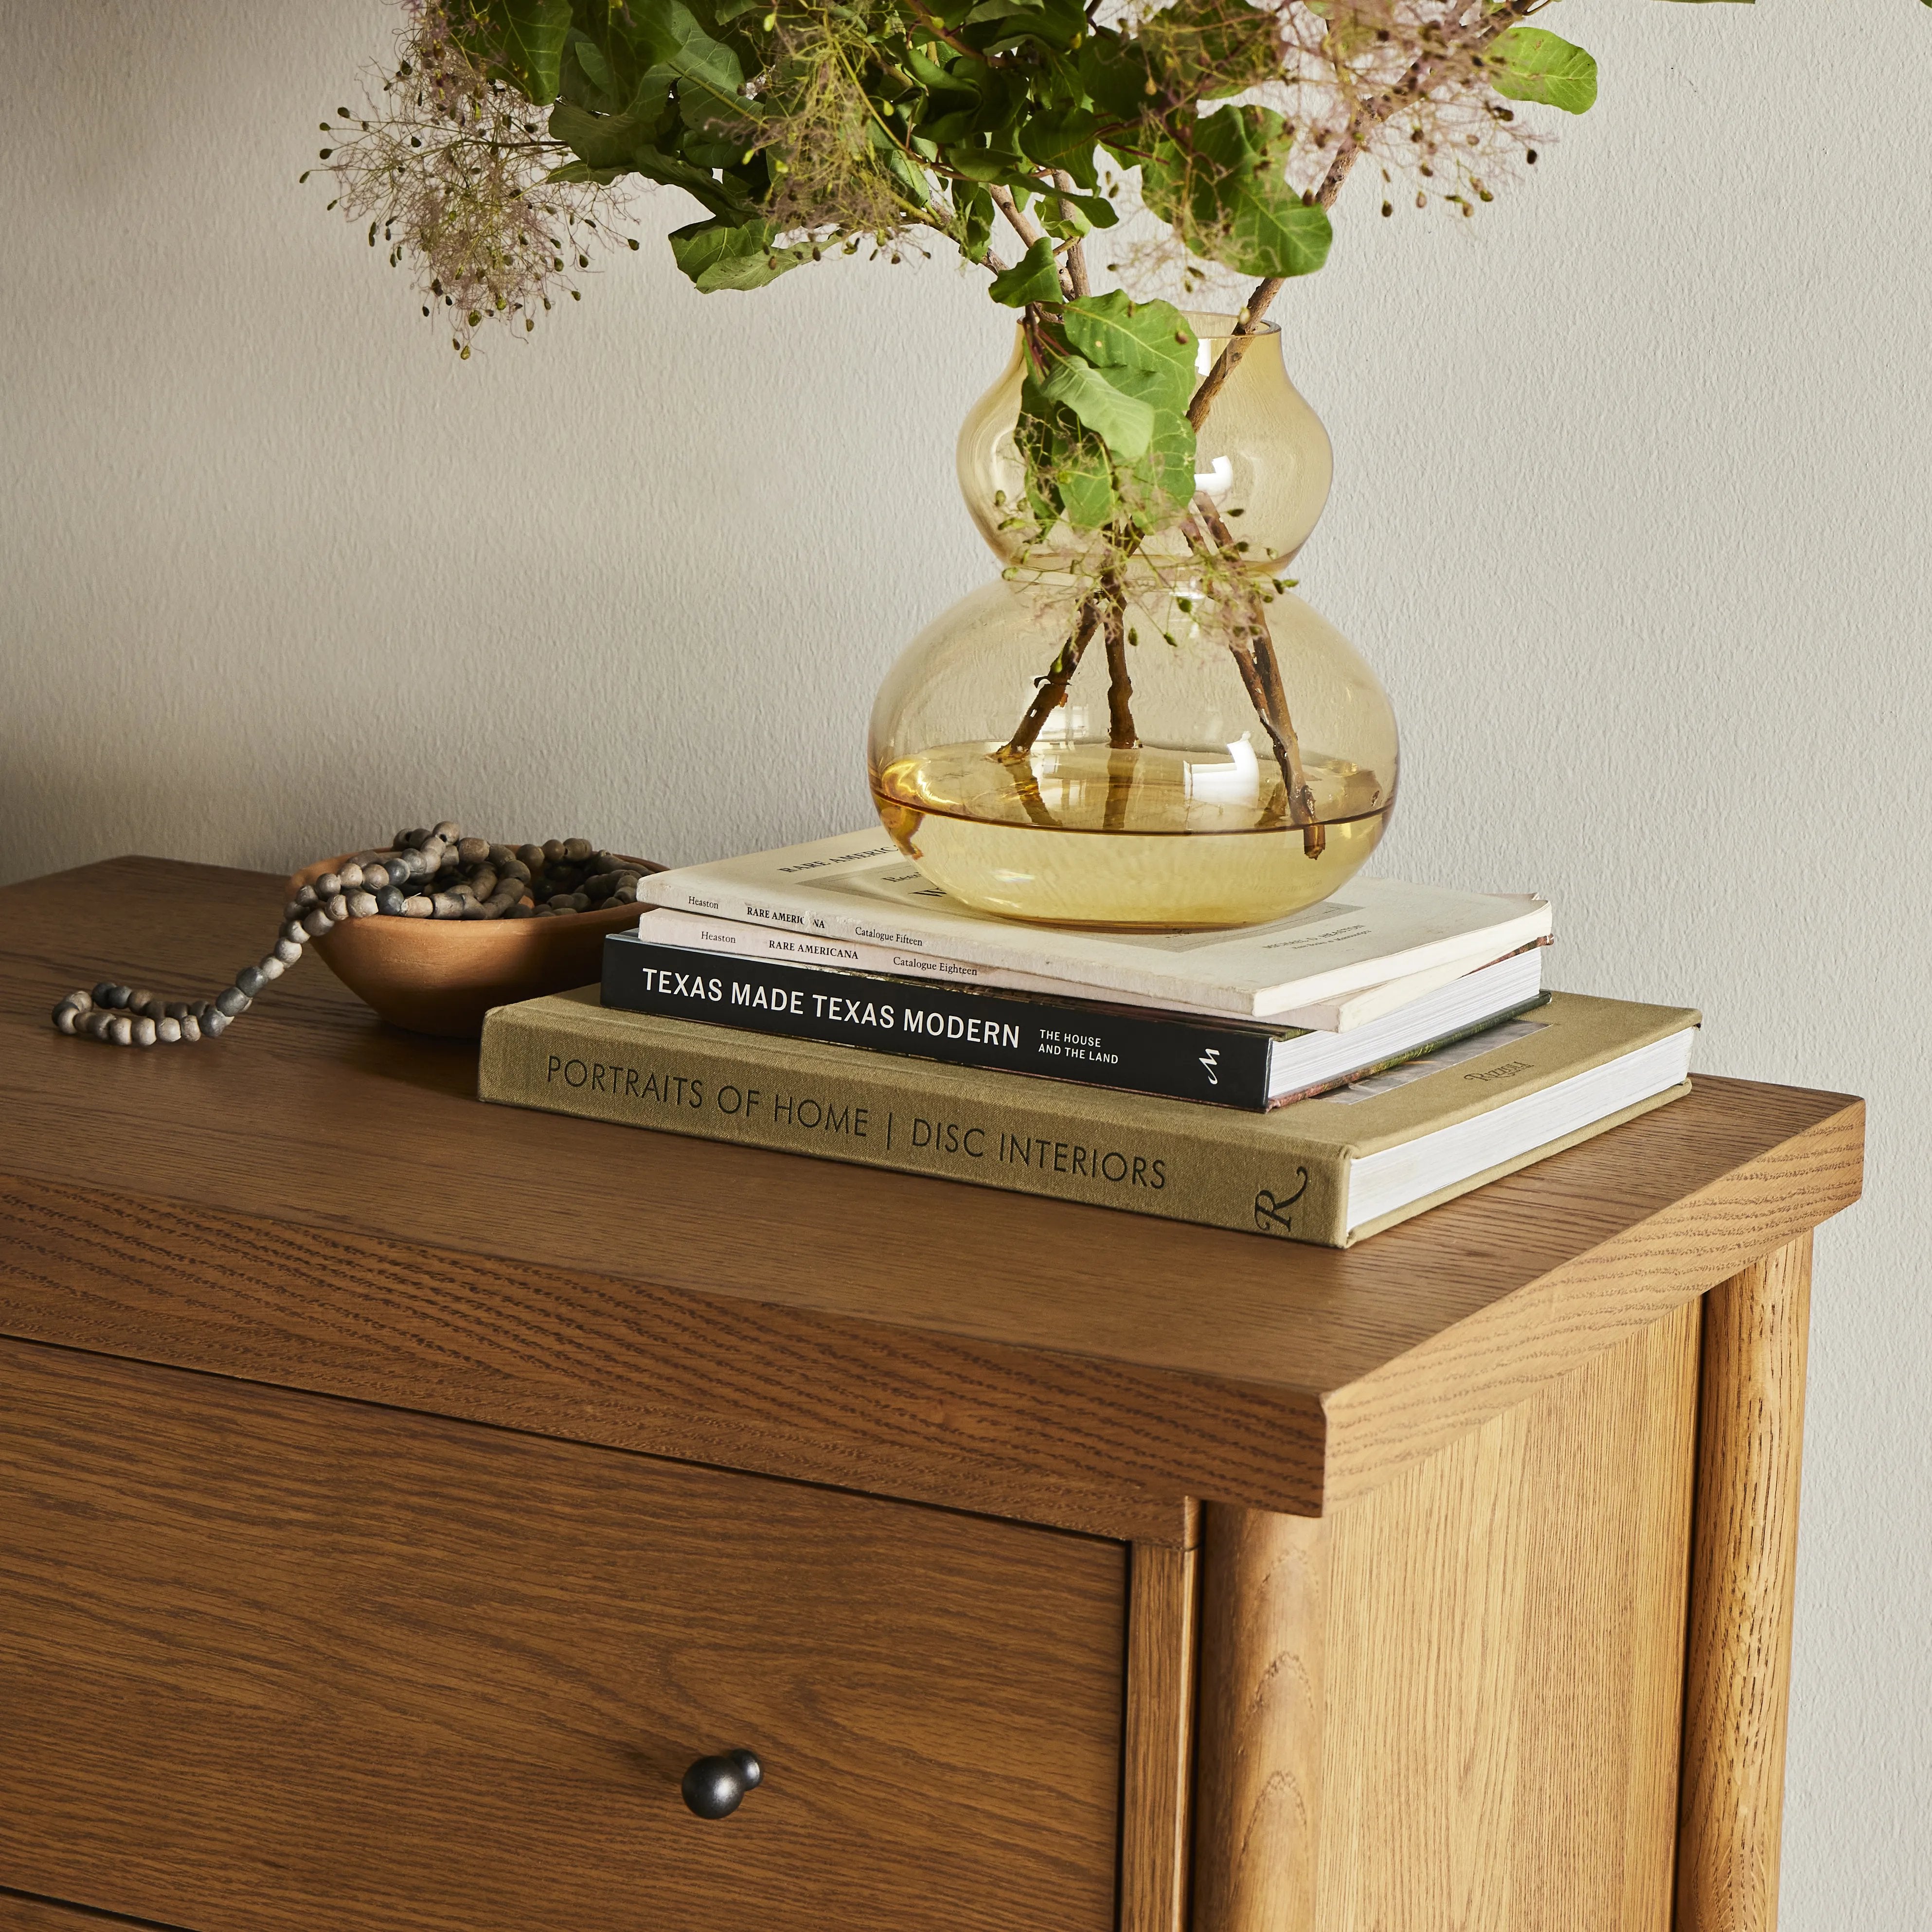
[{"x": 1230, "y": 1063}]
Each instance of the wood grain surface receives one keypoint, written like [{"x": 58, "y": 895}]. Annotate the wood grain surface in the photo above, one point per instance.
[
  {"x": 270, "y": 1661},
  {"x": 1002, "y": 1352},
  {"x": 20, "y": 1913},
  {"x": 1504, "y": 1645},
  {"x": 1258, "y": 1781},
  {"x": 1157, "y": 1772},
  {"x": 1744, "y": 1566}
]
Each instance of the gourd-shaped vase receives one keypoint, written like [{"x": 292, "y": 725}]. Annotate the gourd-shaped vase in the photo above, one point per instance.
[{"x": 1160, "y": 740}]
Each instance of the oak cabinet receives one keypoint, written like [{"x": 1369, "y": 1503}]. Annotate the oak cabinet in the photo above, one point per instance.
[{"x": 397, "y": 1496}]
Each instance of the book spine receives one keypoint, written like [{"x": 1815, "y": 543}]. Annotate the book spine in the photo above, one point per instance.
[
  {"x": 1201, "y": 1164},
  {"x": 1089, "y": 1044}
]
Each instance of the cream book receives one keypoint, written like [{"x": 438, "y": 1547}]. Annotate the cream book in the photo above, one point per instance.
[
  {"x": 1373, "y": 932},
  {"x": 1330, "y": 1170},
  {"x": 738, "y": 939}
]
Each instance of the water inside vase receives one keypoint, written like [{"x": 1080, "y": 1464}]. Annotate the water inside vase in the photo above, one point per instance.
[{"x": 1091, "y": 834}]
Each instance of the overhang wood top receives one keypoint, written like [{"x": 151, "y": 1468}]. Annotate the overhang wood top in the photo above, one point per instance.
[{"x": 313, "y": 1143}]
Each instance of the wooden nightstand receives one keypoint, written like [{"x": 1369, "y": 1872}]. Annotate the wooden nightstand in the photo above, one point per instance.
[{"x": 397, "y": 1494}]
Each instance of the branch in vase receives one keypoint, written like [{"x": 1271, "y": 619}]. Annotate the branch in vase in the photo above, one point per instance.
[
  {"x": 1252, "y": 649},
  {"x": 1120, "y": 732},
  {"x": 1052, "y": 692},
  {"x": 1076, "y": 254}
]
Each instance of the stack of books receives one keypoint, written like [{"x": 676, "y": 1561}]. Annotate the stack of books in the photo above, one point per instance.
[{"x": 1320, "y": 1078}]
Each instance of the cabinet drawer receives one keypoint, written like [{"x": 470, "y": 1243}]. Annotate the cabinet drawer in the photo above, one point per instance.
[{"x": 268, "y": 1659}]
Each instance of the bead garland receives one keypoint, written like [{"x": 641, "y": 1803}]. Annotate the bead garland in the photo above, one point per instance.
[{"x": 431, "y": 873}]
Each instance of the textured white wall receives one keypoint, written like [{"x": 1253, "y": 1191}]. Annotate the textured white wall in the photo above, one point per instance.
[{"x": 1630, "y": 511}]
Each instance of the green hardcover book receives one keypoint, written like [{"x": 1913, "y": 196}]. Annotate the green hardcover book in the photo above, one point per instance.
[{"x": 1330, "y": 1170}]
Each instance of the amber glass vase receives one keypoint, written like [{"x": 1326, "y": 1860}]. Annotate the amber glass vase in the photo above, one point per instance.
[{"x": 1160, "y": 740}]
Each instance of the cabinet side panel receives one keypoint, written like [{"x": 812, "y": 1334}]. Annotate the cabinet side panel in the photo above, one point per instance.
[
  {"x": 1505, "y": 1632},
  {"x": 1751, "y": 1436}
]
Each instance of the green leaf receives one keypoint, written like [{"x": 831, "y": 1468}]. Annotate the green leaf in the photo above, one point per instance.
[
  {"x": 717, "y": 255},
  {"x": 1276, "y": 233},
  {"x": 1125, "y": 423},
  {"x": 610, "y": 140},
  {"x": 1162, "y": 481},
  {"x": 530, "y": 36},
  {"x": 1532, "y": 64},
  {"x": 1063, "y": 140},
  {"x": 972, "y": 219},
  {"x": 1227, "y": 197},
  {"x": 1068, "y": 471},
  {"x": 1034, "y": 277},
  {"x": 590, "y": 57},
  {"x": 1149, "y": 339},
  {"x": 679, "y": 46},
  {"x": 1063, "y": 215}
]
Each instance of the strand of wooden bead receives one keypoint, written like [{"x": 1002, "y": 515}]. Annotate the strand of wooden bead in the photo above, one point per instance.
[{"x": 561, "y": 877}]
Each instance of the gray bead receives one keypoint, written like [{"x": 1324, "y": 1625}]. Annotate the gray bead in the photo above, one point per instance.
[
  {"x": 316, "y": 922},
  {"x": 101, "y": 991},
  {"x": 120, "y": 1030},
  {"x": 288, "y": 950},
  {"x": 214, "y": 1024},
  {"x": 350, "y": 876},
  {"x": 190, "y": 1028},
  {"x": 375, "y": 877},
  {"x": 249, "y": 980},
  {"x": 519, "y": 910},
  {"x": 118, "y": 997},
  {"x": 449, "y": 831},
  {"x": 231, "y": 1000},
  {"x": 145, "y": 1032},
  {"x": 307, "y": 896},
  {"x": 444, "y": 905},
  {"x": 337, "y": 908},
  {"x": 362, "y": 905},
  {"x": 474, "y": 851},
  {"x": 389, "y": 900},
  {"x": 576, "y": 851},
  {"x": 269, "y": 966},
  {"x": 329, "y": 886},
  {"x": 419, "y": 907},
  {"x": 168, "y": 1031}
]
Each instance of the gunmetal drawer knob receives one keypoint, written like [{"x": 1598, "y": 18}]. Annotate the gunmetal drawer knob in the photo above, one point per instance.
[{"x": 714, "y": 1787}]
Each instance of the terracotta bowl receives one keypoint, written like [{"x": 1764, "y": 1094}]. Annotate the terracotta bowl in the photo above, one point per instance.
[{"x": 441, "y": 975}]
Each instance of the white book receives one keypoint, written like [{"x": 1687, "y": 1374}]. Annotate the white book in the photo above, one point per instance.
[
  {"x": 1374, "y": 934},
  {"x": 737, "y": 939}
]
